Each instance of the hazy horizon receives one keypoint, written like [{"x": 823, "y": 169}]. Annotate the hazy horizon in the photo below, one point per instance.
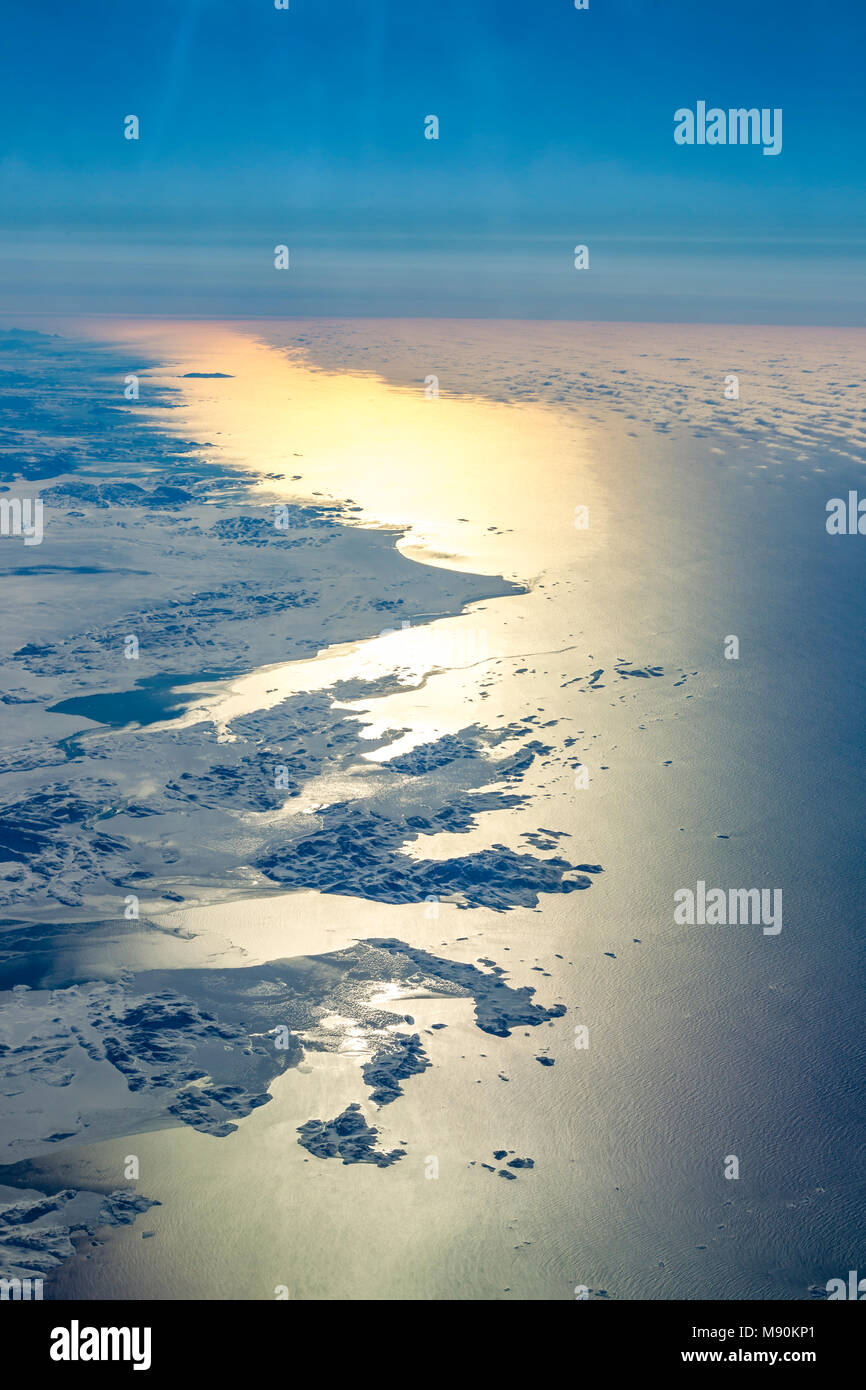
[{"x": 309, "y": 128}]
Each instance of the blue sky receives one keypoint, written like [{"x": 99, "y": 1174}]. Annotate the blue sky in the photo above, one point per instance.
[{"x": 306, "y": 127}]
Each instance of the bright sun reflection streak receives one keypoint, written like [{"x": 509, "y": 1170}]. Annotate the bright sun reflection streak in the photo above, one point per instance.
[
  {"x": 471, "y": 484},
  {"x": 481, "y": 485}
]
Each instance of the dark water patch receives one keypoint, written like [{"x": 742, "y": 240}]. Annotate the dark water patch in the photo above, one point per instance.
[
  {"x": 151, "y": 700},
  {"x": 70, "y": 569},
  {"x": 33, "y": 469}
]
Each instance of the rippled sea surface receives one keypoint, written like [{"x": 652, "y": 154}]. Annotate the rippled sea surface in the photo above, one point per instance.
[{"x": 366, "y": 704}]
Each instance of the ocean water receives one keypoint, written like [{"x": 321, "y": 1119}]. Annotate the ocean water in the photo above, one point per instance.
[
  {"x": 488, "y": 651},
  {"x": 151, "y": 701}
]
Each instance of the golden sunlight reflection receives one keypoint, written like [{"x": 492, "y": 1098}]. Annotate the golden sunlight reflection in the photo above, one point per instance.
[{"x": 477, "y": 484}]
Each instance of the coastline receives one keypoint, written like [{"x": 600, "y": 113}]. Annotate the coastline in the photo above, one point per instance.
[{"x": 492, "y": 737}]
